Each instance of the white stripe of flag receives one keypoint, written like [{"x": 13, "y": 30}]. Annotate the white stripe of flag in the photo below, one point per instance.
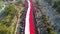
[{"x": 29, "y": 26}]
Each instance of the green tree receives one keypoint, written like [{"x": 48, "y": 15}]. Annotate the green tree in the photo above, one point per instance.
[
  {"x": 58, "y": 9},
  {"x": 10, "y": 9},
  {"x": 4, "y": 29}
]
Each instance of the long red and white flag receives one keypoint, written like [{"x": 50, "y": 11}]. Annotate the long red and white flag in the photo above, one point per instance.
[{"x": 29, "y": 23}]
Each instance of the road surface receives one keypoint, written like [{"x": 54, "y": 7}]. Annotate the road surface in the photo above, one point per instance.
[{"x": 36, "y": 15}]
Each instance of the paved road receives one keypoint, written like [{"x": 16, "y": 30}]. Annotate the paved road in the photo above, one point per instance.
[{"x": 37, "y": 17}]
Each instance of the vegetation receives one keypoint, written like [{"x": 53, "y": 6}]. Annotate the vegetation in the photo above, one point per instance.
[
  {"x": 4, "y": 29},
  {"x": 58, "y": 9},
  {"x": 49, "y": 28},
  {"x": 56, "y": 4},
  {"x": 6, "y": 24}
]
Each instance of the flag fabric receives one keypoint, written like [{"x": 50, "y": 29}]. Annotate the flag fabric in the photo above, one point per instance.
[{"x": 29, "y": 23}]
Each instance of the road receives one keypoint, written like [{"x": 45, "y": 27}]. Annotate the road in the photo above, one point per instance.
[
  {"x": 35, "y": 14},
  {"x": 37, "y": 18}
]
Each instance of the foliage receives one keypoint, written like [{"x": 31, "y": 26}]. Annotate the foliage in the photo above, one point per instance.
[
  {"x": 56, "y": 4},
  {"x": 4, "y": 29},
  {"x": 58, "y": 9},
  {"x": 50, "y": 29},
  {"x": 11, "y": 11},
  {"x": 7, "y": 21}
]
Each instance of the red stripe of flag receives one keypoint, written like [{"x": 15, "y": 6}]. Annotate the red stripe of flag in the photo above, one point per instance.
[
  {"x": 31, "y": 22},
  {"x": 29, "y": 26}
]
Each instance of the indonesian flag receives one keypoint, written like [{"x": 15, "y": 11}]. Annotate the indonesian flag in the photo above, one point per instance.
[{"x": 29, "y": 23}]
